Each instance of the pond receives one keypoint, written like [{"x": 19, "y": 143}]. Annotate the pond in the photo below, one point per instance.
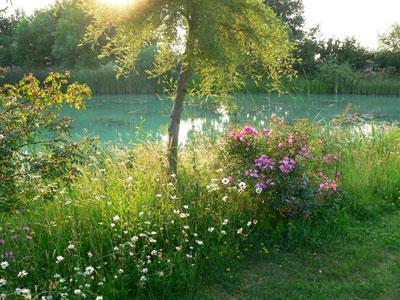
[{"x": 135, "y": 118}]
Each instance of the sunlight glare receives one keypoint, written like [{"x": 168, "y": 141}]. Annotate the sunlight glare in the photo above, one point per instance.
[{"x": 117, "y": 2}]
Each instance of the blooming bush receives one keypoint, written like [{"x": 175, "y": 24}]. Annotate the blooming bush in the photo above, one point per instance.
[
  {"x": 286, "y": 166},
  {"x": 34, "y": 144}
]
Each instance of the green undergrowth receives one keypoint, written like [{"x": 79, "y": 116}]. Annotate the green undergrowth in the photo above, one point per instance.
[{"x": 125, "y": 229}]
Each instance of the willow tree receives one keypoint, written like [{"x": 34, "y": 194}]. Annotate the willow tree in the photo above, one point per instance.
[{"x": 222, "y": 42}]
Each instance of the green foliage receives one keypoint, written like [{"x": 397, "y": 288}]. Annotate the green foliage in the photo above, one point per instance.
[
  {"x": 69, "y": 31},
  {"x": 33, "y": 139},
  {"x": 220, "y": 42},
  {"x": 336, "y": 76},
  {"x": 391, "y": 40},
  {"x": 291, "y": 12}
]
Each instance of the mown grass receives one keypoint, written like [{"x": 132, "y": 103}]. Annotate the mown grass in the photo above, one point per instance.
[
  {"x": 127, "y": 194},
  {"x": 363, "y": 264}
]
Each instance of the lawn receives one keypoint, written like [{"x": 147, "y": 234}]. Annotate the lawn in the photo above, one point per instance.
[{"x": 362, "y": 264}]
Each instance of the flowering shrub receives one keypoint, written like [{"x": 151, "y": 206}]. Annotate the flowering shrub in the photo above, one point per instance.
[
  {"x": 34, "y": 144},
  {"x": 287, "y": 166}
]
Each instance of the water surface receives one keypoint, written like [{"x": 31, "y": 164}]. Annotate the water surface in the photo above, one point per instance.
[{"x": 135, "y": 118}]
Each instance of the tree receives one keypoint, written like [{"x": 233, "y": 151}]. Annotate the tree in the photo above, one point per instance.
[
  {"x": 390, "y": 41},
  {"x": 69, "y": 31},
  {"x": 291, "y": 12},
  {"x": 219, "y": 41},
  {"x": 8, "y": 24},
  {"x": 34, "y": 39}
]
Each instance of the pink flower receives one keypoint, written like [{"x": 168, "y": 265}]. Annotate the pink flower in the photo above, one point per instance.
[
  {"x": 287, "y": 165},
  {"x": 305, "y": 152},
  {"x": 328, "y": 186},
  {"x": 330, "y": 158},
  {"x": 247, "y": 131},
  {"x": 264, "y": 162},
  {"x": 267, "y": 132}
]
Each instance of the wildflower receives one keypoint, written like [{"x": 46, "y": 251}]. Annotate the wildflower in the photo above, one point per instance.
[
  {"x": 305, "y": 152},
  {"x": 4, "y": 265},
  {"x": 21, "y": 274},
  {"x": 116, "y": 218},
  {"x": 199, "y": 242},
  {"x": 77, "y": 291},
  {"x": 143, "y": 278},
  {"x": 224, "y": 198},
  {"x": 2, "y": 242},
  {"x": 134, "y": 239},
  {"x": 154, "y": 252},
  {"x": 186, "y": 206},
  {"x": 178, "y": 248},
  {"x": 161, "y": 273},
  {"x": 330, "y": 158},
  {"x": 88, "y": 271},
  {"x": 28, "y": 238},
  {"x": 116, "y": 248},
  {"x": 120, "y": 271},
  {"x": 287, "y": 165},
  {"x": 255, "y": 222},
  {"x": 247, "y": 131},
  {"x": 290, "y": 139},
  {"x": 249, "y": 224},
  {"x": 259, "y": 190},
  {"x": 90, "y": 254},
  {"x": 26, "y": 293},
  {"x": 264, "y": 162},
  {"x": 59, "y": 259},
  {"x": 211, "y": 229},
  {"x": 189, "y": 255},
  {"x": 9, "y": 254},
  {"x": 240, "y": 231},
  {"x": 225, "y": 181},
  {"x": 329, "y": 186},
  {"x": 225, "y": 222},
  {"x": 242, "y": 185},
  {"x": 71, "y": 247},
  {"x": 99, "y": 298},
  {"x": 223, "y": 232},
  {"x": 2, "y": 282},
  {"x": 267, "y": 132},
  {"x": 112, "y": 225},
  {"x": 26, "y": 228}
]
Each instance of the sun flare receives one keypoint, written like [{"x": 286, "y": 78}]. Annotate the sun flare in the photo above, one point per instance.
[{"x": 118, "y": 2}]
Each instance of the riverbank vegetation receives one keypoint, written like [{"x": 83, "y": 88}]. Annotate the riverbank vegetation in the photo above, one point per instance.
[
  {"x": 123, "y": 227},
  {"x": 51, "y": 40}
]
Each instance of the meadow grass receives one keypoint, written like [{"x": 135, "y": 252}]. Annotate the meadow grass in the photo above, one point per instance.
[{"x": 126, "y": 229}]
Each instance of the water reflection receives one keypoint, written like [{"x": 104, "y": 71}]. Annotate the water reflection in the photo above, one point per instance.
[{"x": 137, "y": 118}]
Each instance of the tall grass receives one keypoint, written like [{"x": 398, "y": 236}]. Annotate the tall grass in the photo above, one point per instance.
[
  {"x": 103, "y": 81},
  {"x": 186, "y": 230}
]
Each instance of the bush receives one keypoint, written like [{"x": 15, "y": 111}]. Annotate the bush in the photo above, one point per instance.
[
  {"x": 287, "y": 167},
  {"x": 34, "y": 143}
]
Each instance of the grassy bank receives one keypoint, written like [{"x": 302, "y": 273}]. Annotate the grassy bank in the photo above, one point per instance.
[{"x": 125, "y": 229}]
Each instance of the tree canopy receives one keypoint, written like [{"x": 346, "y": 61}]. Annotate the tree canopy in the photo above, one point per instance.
[{"x": 222, "y": 42}]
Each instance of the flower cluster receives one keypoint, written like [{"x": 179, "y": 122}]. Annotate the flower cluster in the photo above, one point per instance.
[{"x": 284, "y": 165}]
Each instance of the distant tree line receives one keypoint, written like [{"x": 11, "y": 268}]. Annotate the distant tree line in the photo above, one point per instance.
[{"x": 51, "y": 38}]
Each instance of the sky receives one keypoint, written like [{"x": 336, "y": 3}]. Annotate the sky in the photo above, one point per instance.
[{"x": 363, "y": 19}]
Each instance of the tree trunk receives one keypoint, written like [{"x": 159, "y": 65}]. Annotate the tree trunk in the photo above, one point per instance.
[{"x": 173, "y": 130}]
